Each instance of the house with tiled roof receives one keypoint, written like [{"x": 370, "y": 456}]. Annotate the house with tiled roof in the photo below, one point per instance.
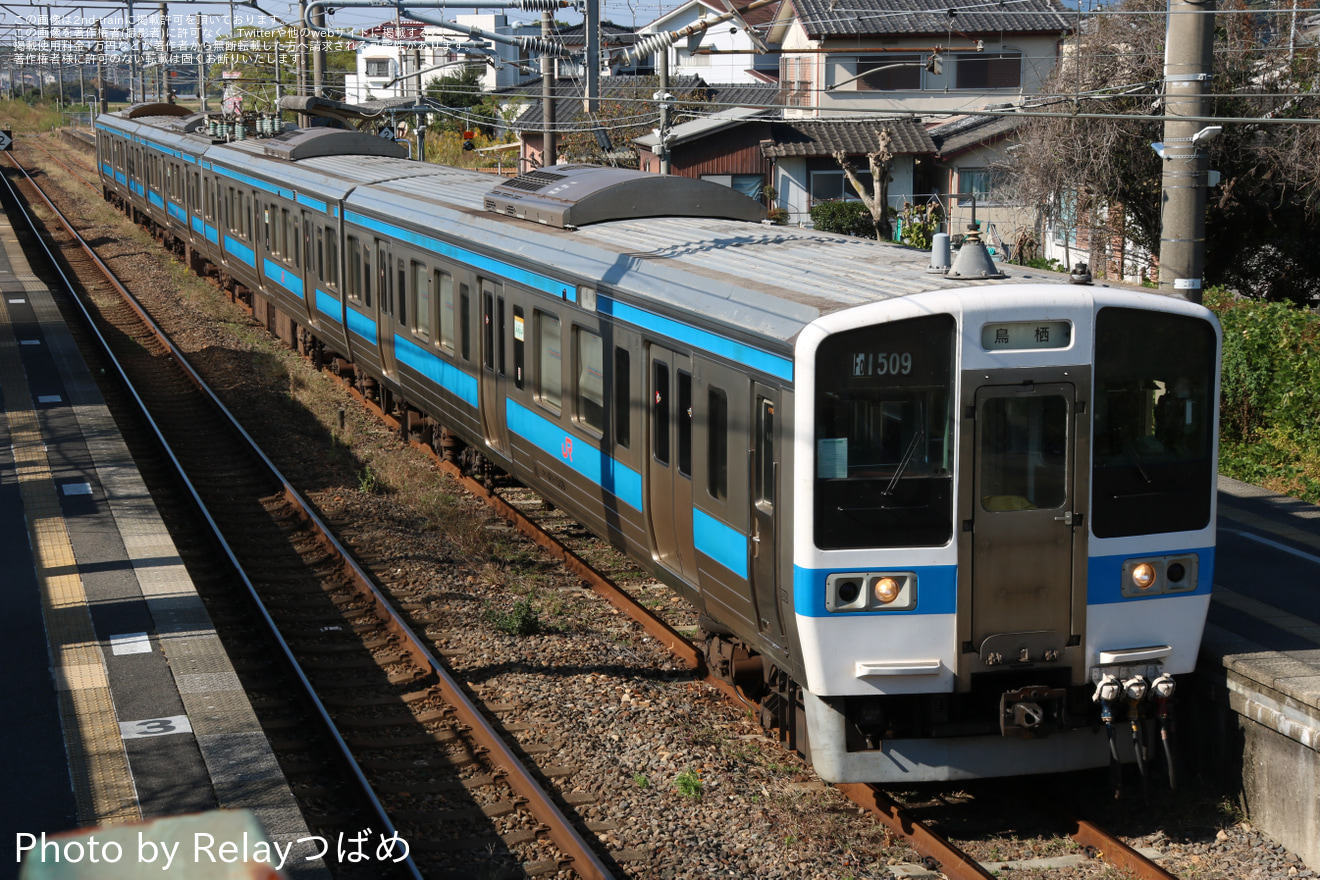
[
  {"x": 724, "y": 53},
  {"x": 884, "y": 56},
  {"x": 749, "y": 149}
]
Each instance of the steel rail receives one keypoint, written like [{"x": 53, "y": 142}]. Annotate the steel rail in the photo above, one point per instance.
[
  {"x": 1116, "y": 852},
  {"x": 560, "y": 829},
  {"x": 374, "y": 802}
]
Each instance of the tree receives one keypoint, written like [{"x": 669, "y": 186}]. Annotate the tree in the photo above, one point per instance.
[
  {"x": 627, "y": 113},
  {"x": 265, "y": 56},
  {"x": 1268, "y": 202},
  {"x": 881, "y": 159},
  {"x": 460, "y": 92}
]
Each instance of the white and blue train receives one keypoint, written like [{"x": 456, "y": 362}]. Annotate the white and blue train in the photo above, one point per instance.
[{"x": 945, "y": 528}]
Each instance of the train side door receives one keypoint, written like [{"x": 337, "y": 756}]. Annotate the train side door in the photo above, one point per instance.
[
  {"x": 385, "y": 306},
  {"x": 1023, "y": 522},
  {"x": 765, "y": 458},
  {"x": 669, "y": 464},
  {"x": 493, "y": 375}
]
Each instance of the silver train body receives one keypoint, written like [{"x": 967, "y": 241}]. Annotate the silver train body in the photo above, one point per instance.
[{"x": 923, "y": 516}]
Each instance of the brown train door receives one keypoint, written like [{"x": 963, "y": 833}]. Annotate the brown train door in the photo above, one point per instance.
[
  {"x": 1022, "y": 556},
  {"x": 669, "y": 460},
  {"x": 493, "y": 375},
  {"x": 765, "y": 482}
]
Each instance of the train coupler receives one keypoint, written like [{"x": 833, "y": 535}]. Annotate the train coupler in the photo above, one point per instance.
[{"x": 1032, "y": 711}]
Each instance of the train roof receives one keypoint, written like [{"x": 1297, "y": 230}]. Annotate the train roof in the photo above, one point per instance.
[{"x": 754, "y": 279}]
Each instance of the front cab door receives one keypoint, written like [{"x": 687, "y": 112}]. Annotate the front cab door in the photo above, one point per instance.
[{"x": 1024, "y": 521}]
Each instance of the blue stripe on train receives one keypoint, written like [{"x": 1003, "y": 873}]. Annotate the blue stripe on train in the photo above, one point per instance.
[
  {"x": 573, "y": 452},
  {"x": 437, "y": 369}
]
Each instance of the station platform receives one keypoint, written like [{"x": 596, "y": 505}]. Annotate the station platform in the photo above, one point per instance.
[
  {"x": 1258, "y": 676},
  {"x": 120, "y": 704}
]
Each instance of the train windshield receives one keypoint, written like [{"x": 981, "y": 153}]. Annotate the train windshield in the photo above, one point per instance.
[
  {"x": 1153, "y": 447},
  {"x": 884, "y": 422}
]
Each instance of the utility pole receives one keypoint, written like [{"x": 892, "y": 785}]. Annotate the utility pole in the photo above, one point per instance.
[
  {"x": 1187, "y": 67},
  {"x": 549, "y": 138},
  {"x": 303, "y": 63},
  {"x": 318, "y": 55},
  {"x": 201, "y": 66},
  {"x": 131, "y": 27},
  {"x": 591, "y": 19},
  {"x": 662, "y": 67},
  {"x": 102, "y": 103},
  {"x": 166, "y": 93}
]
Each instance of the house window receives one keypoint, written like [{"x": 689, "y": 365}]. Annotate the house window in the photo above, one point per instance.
[
  {"x": 983, "y": 184},
  {"x": 795, "y": 82},
  {"x": 1001, "y": 70},
  {"x": 831, "y": 185},
  {"x": 889, "y": 73},
  {"x": 378, "y": 67},
  {"x": 747, "y": 184}
]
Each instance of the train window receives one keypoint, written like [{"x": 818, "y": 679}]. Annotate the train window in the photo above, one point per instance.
[
  {"x": 320, "y": 253},
  {"x": 765, "y": 452},
  {"x": 421, "y": 300},
  {"x": 401, "y": 287},
  {"x": 500, "y": 335},
  {"x": 550, "y": 364},
  {"x": 622, "y": 398},
  {"x": 883, "y": 447},
  {"x": 717, "y": 439},
  {"x": 465, "y": 321},
  {"x": 354, "y": 268},
  {"x": 519, "y": 343},
  {"x": 1152, "y": 447},
  {"x": 590, "y": 392},
  {"x": 488, "y": 328},
  {"x": 660, "y": 413},
  {"x": 331, "y": 275},
  {"x": 684, "y": 423},
  {"x": 247, "y": 216},
  {"x": 367, "y": 279},
  {"x": 1024, "y": 452},
  {"x": 290, "y": 238},
  {"x": 444, "y": 283},
  {"x": 273, "y": 246}
]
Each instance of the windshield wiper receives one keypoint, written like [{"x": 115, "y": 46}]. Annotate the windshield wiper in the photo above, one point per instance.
[{"x": 907, "y": 458}]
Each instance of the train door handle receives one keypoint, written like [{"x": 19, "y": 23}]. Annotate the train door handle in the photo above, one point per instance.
[{"x": 1066, "y": 519}]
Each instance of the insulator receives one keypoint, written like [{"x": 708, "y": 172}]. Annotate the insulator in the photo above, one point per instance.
[
  {"x": 539, "y": 46},
  {"x": 539, "y": 5},
  {"x": 649, "y": 45}
]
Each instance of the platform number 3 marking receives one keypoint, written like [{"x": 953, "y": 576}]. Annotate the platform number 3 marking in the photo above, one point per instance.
[{"x": 154, "y": 727}]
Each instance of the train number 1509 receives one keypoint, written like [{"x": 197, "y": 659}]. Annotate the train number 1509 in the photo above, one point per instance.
[{"x": 881, "y": 363}]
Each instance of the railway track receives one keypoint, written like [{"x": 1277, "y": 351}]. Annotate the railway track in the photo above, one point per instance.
[
  {"x": 937, "y": 852},
  {"x": 428, "y": 765}
]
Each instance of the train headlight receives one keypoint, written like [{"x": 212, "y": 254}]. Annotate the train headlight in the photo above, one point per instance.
[
  {"x": 886, "y": 590},
  {"x": 871, "y": 591},
  {"x": 1143, "y": 576}
]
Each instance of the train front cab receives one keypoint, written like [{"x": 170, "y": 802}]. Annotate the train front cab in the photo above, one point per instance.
[{"x": 1009, "y": 505}]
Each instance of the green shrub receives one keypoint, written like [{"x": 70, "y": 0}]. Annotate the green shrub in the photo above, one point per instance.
[
  {"x": 847, "y": 218},
  {"x": 522, "y": 620},
  {"x": 1270, "y": 394}
]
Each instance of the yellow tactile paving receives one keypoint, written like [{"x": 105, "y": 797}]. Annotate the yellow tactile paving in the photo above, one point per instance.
[{"x": 98, "y": 765}]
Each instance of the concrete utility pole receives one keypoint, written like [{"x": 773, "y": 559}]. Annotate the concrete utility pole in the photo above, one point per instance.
[
  {"x": 1187, "y": 65},
  {"x": 201, "y": 66},
  {"x": 166, "y": 93},
  {"x": 591, "y": 18},
  {"x": 318, "y": 53},
  {"x": 102, "y": 103},
  {"x": 549, "y": 138},
  {"x": 662, "y": 67}
]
